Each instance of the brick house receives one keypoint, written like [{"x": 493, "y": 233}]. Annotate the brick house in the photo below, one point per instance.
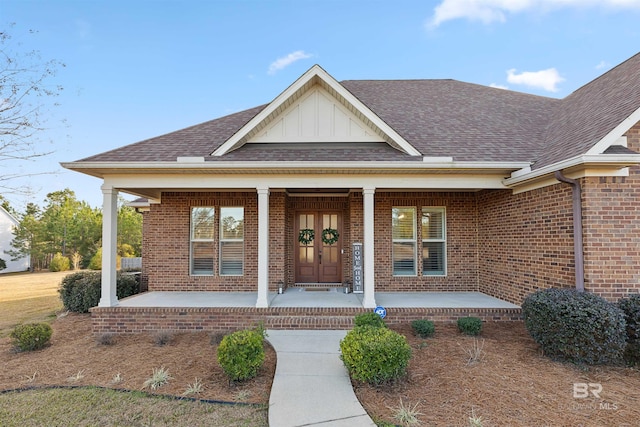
[{"x": 449, "y": 187}]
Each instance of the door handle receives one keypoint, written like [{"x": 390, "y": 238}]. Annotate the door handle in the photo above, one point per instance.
[{"x": 320, "y": 256}]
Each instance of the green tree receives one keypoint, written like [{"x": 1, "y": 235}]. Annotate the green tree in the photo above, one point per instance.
[
  {"x": 3, "y": 264},
  {"x": 129, "y": 230}
]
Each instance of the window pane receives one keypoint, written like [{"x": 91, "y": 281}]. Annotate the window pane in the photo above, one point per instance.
[
  {"x": 201, "y": 257},
  {"x": 432, "y": 258},
  {"x": 404, "y": 256},
  {"x": 202, "y": 223},
  {"x": 231, "y": 258},
  {"x": 432, "y": 224},
  {"x": 231, "y": 223},
  {"x": 403, "y": 223}
]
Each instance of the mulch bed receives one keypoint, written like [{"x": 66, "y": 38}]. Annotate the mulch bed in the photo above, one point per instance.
[
  {"x": 512, "y": 384},
  {"x": 74, "y": 350}
]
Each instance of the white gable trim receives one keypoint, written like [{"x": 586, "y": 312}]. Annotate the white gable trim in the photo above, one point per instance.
[
  {"x": 612, "y": 138},
  {"x": 316, "y": 116},
  {"x": 313, "y": 76}
]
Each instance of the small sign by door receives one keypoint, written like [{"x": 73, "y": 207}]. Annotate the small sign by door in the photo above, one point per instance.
[{"x": 358, "y": 287}]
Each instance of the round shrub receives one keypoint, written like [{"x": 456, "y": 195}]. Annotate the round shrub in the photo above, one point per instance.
[
  {"x": 470, "y": 325},
  {"x": 631, "y": 308},
  {"x": 375, "y": 355},
  {"x": 577, "y": 327},
  {"x": 423, "y": 328},
  {"x": 31, "y": 336},
  {"x": 369, "y": 319},
  {"x": 59, "y": 263},
  {"x": 241, "y": 354},
  {"x": 81, "y": 291}
]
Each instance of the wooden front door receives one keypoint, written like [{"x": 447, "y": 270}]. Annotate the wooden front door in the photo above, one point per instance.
[{"x": 318, "y": 260}]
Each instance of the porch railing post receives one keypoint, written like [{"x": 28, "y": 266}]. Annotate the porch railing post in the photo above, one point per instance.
[
  {"x": 108, "y": 296},
  {"x": 263, "y": 247},
  {"x": 369, "y": 300}
]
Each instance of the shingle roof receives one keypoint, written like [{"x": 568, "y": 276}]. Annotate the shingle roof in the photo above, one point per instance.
[{"x": 447, "y": 118}]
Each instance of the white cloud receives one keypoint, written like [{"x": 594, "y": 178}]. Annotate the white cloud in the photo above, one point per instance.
[
  {"x": 498, "y": 86},
  {"x": 285, "y": 61},
  {"x": 602, "y": 64},
  {"x": 544, "y": 79},
  {"x": 488, "y": 11}
]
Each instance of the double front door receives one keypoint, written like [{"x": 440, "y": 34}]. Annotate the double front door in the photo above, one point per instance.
[{"x": 318, "y": 247}]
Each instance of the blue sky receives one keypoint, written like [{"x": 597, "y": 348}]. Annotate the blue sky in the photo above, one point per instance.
[{"x": 138, "y": 69}]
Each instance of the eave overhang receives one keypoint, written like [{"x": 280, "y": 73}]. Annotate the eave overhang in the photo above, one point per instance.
[{"x": 578, "y": 166}]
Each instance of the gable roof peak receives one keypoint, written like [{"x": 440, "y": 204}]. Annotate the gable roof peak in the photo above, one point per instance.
[{"x": 316, "y": 76}]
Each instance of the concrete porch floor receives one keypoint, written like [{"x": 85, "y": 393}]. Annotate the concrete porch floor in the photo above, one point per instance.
[{"x": 299, "y": 297}]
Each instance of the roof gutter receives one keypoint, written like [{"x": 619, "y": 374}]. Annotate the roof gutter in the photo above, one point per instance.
[{"x": 577, "y": 228}]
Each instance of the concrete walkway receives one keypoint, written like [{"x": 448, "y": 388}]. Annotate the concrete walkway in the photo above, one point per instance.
[{"x": 311, "y": 386}]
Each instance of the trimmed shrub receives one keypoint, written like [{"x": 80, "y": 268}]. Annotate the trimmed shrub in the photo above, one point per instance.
[
  {"x": 241, "y": 354},
  {"x": 81, "y": 291},
  {"x": 369, "y": 319},
  {"x": 375, "y": 355},
  {"x": 577, "y": 327},
  {"x": 470, "y": 325},
  {"x": 423, "y": 328},
  {"x": 31, "y": 336},
  {"x": 59, "y": 263},
  {"x": 631, "y": 308}
]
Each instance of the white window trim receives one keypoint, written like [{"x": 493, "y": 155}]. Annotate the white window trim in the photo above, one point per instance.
[
  {"x": 414, "y": 241},
  {"x": 192, "y": 240},
  {"x": 222, "y": 240},
  {"x": 442, "y": 209}
]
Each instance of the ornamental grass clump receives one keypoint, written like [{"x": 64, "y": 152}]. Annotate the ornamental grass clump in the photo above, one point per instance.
[
  {"x": 577, "y": 327},
  {"x": 31, "y": 336},
  {"x": 241, "y": 354},
  {"x": 375, "y": 355}
]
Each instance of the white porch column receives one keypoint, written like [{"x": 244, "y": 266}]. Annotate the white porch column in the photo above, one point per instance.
[
  {"x": 108, "y": 296},
  {"x": 263, "y": 247},
  {"x": 369, "y": 300}
]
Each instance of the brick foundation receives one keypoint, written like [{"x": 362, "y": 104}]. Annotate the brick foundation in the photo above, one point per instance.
[{"x": 126, "y": 320}]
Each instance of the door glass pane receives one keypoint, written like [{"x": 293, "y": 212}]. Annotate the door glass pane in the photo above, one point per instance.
[
  {"x": 306, "y": 254},
  {"x": 307, "y": 222}
]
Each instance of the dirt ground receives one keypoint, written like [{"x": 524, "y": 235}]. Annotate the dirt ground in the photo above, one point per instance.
[{"x": 512, "y": 384}]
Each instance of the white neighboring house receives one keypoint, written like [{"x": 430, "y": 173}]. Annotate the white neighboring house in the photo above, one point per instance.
[{"x": 7, "y": 224}]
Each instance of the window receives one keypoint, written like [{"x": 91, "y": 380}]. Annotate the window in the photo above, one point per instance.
[
  {"x": 404, "y": 241},
  {"x": 202, "y": 238},
  {"x": 231, "y": 241},
  {"x": 434, "y": 244}
]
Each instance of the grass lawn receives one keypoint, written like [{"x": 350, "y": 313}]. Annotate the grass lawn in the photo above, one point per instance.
[
  {"x": 28, "y": 297},
  {"x": 94, "y": 406}
]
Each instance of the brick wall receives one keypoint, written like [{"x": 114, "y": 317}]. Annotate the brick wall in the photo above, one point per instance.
[
  {"x": 525, "y": 241},
  {"x": 611, "y": 217},
  {"x": 461, "y": 223}
]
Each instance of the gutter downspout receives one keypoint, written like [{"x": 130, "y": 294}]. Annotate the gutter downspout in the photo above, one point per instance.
[{"x": 577, "y": 228}]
